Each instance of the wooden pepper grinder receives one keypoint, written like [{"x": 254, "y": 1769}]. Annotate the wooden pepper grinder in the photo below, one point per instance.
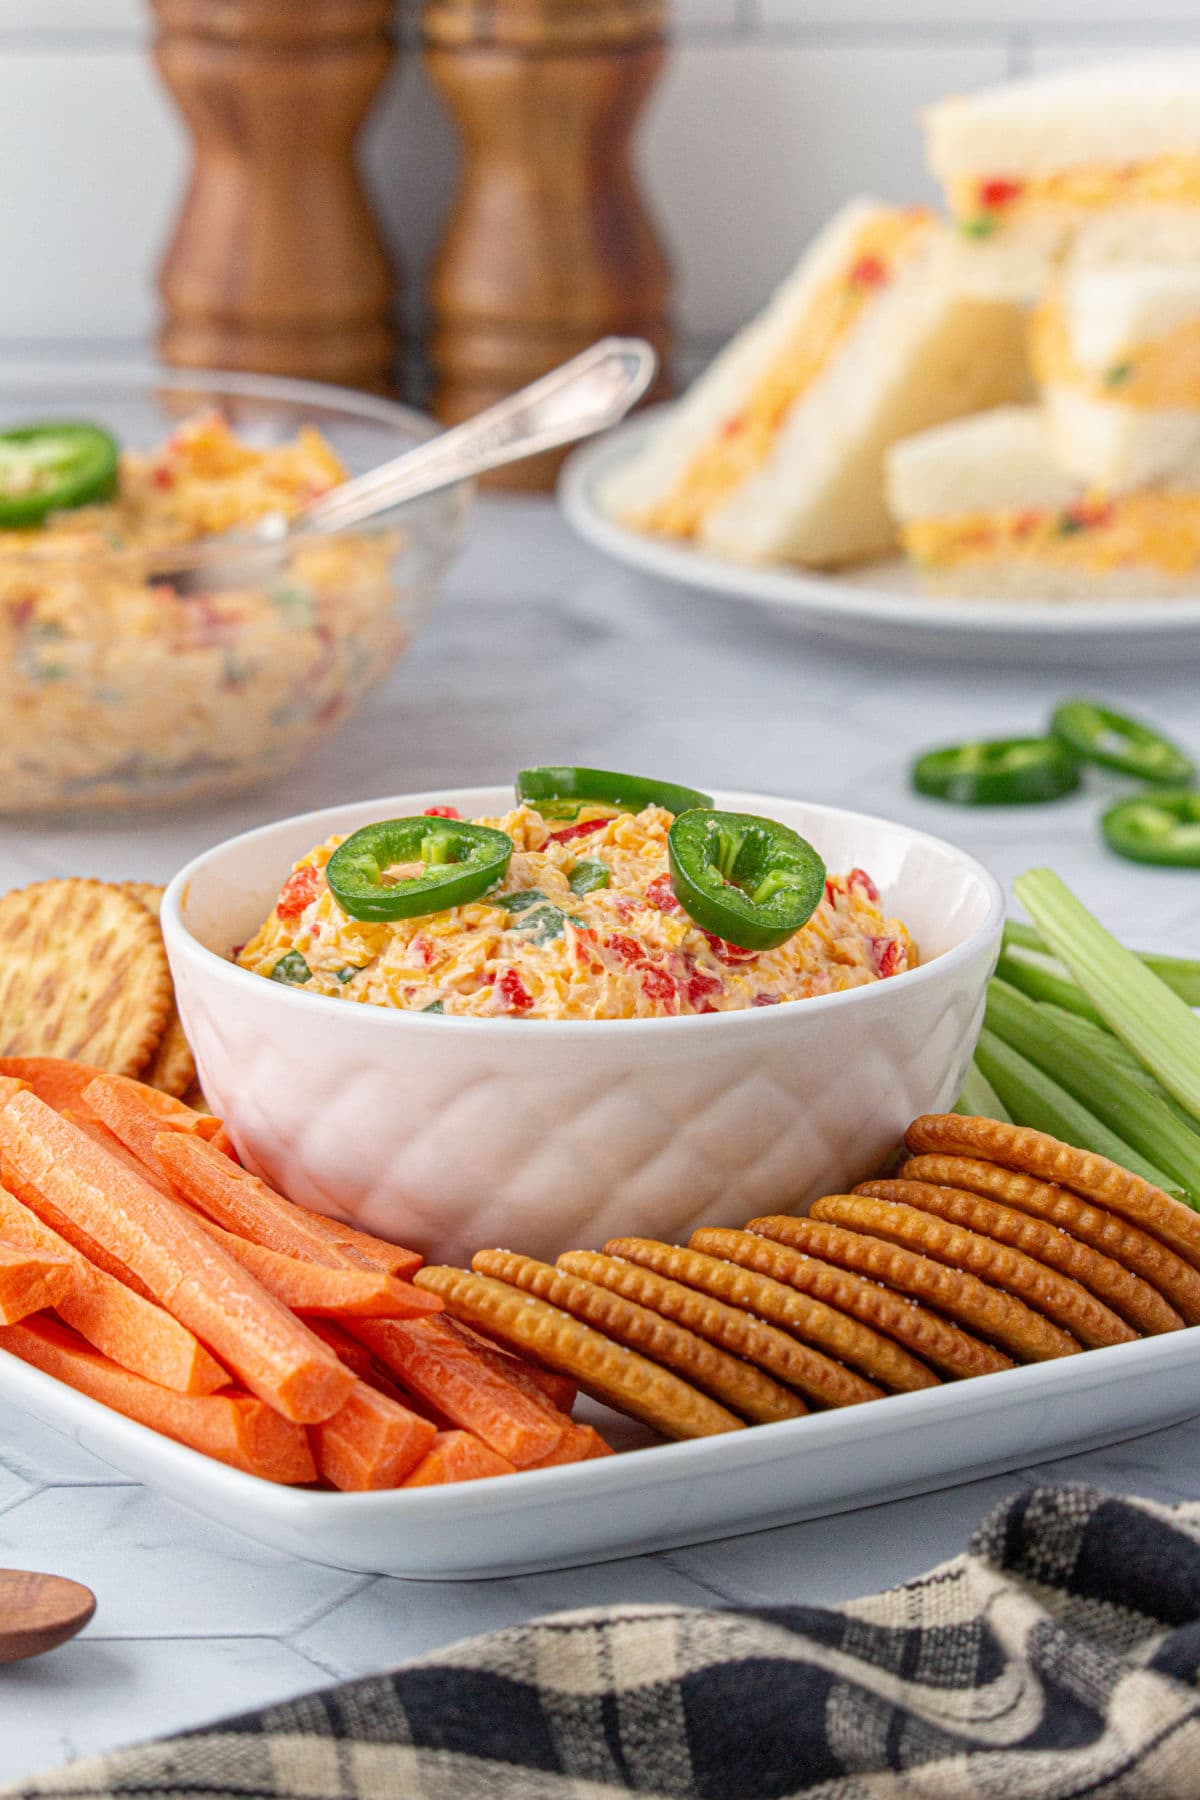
[
  {"x": 549, "y": 245},
  {"x": 277, "y": 263}
]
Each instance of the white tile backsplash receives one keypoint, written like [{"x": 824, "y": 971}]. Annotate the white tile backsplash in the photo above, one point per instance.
[{"x": 771, "y": 113}]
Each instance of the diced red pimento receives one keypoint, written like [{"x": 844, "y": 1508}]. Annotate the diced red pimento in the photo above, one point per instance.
[
  {"x": 765, "y": 1000},
  {"x": 999, "y": 190},
  {"x": 1087, "y": 515},
  {"x": 163, "y": 477},
  {"x": 859, "y": 882},
  {"x": 658, "y": 986},
  {"x": 661, "y": 895},
  {"x": 298, "y": 891},
  {"x": 422, "y": 950},
  {"x": 625, "y": 949},
  {"x": 701, "y": 988},
  {"x": 869, "y": 271},
  {"x": 734, "y": 427},
  {"x": 584, "y": 828},
  {"x": 729, "y": 953},
  {"x": 514, "y": 995},
  {"x": 889, "y": 956},
  {"x": 441, "y": 812}
]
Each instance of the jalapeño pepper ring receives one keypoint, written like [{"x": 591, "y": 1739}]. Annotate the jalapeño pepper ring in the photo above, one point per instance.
[
  {"x": 561, "y": 789},
  {"x": 998, "y": 772},
  {"x": 1110, "y": 739},
  {"x": 749, "y": 880},
  {"x": 460, "y": 862},
  {"x": 1159, "y": 827}
]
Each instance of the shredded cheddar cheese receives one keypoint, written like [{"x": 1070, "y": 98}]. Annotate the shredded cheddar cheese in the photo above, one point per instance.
[
  {"x": 742, "y": 442},
  {"x": 627, "y": 951},
  {"x": 1087, "y": 187}
]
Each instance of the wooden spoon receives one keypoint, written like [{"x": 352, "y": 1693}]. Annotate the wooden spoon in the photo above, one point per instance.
[{"x": 39, "y": 1612}]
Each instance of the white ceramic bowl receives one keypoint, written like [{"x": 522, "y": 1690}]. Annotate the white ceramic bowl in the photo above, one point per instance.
[{"x": 451, "y": 1134}]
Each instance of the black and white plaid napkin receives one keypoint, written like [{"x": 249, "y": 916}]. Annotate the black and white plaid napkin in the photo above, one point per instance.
[{"x": 1058, "y": 1657}]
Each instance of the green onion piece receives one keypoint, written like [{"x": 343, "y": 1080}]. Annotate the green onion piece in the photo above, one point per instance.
[
  {"x": 979, "y": 1099},
  {"x": 1181, "y": 973},
  {"x": 1041, "y": 980},
  {"x": 435, "y": 1006},
  {"x": 1138, "y": 1007},
  {"x": 347, "y": 973},
  {"x": 1034, "y": 1099},
  {"x": 1074, "y": 1054},
  {"x": 522, "y": 900},
  {"x": 292, "y": 970}
]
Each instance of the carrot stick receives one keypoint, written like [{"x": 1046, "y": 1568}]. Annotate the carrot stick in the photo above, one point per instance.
[
  {"x": 268, "y": 1349},
  {"x": 233, "y": 1198},
  {"x": 32, "y": 1280},
  {"x": 455, "y": 1378},
  {"x": 457, "y": 1456},
  {"x": 233, "y": 1428},
  {"x": 53, "y": 1079},
  {"x": 376, "y": 1251},
  {"x": 559, "y": 1391},
  {"x": 372, "y": 1443},
  {"x": 97, "y": 1130},
  {"x": 310, "y": 1288},
  {"x": 137, "y": 1114},
  {"x": 356, "y": 1356},
  {"x": 582, "y": 1443},
  {"x": 134, "y": 1332}
]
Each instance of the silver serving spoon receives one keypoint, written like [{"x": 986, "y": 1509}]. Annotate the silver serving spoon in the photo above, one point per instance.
[{"x": 578, "y": 399}]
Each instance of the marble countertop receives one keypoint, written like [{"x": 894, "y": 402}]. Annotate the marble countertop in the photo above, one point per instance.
[{"x": 543, "y": 652}]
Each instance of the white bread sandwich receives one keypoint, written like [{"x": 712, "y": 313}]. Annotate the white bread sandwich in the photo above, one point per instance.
[
  {"x": 1117, "y": 354},
  {"x": 1100, "y": 163},
  {"x": 776, "y": 452},
  {"x": 984, "y": 510}
]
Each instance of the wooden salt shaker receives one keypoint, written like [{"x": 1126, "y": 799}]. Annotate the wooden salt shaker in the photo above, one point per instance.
[
  {"x": 548, "y": 245},
  {"x": 277, "y": 263}
]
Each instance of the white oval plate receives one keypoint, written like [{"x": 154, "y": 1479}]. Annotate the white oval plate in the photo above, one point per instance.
[
  {"x": 881, "y": 605},
  {"x": 661, "y": 1497}
]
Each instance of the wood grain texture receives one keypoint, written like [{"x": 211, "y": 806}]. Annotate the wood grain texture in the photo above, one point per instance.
[
  {"x": 549, "y": 244},
  {"x": 277, "y": 263},
  {"x": 39, "y": 1612}
]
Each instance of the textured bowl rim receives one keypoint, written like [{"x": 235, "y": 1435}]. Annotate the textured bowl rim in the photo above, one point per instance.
[
  {"x": 141, "y": 377},
  {"x": 879, "y": 995}
]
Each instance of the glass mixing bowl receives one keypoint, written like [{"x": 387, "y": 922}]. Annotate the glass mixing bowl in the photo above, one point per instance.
[{"x": 135, "y": 677}]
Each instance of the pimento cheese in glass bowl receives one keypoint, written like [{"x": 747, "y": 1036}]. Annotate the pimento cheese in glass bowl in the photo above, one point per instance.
[{"x": 140, "y": 663}]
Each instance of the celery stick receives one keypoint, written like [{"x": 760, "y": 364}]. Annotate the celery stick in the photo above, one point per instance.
[
  {"x": 1181, "y": 973},
  {"x": 1033, "y": 1099},
  {"x": 1138, "y": 1007},
  {"x": 979, "y": 1099},
  {"x": 1041, "y": 980},
  {"x": 1077, "y": 1056}
]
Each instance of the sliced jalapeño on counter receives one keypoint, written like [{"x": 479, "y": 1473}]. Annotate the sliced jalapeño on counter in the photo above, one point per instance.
[
  {"x": 49, "y": 468},
  {"x": 567, "y": 791},
  {"x": 1158, "y": 827},
  {"x": 405, "y": 868},
  {"x": 998, "y": 772},
  {"x": 1097, "y": 734},
  {"x": 750, "y": 881}
]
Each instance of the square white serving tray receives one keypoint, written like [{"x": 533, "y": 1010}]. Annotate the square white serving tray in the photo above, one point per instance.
[{"x": 662, "y": 1496}]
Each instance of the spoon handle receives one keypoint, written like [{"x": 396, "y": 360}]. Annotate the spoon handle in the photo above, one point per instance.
[{"x": 576, "y": 400}]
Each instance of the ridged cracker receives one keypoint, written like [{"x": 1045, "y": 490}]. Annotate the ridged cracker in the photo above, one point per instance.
[
  {"x": 652, "y": 1274},
  {"x": 884, "y": 1213},
  {"x": 1127, "y": 1244},
  {"x": 83, "y": 975},
  {"x": 1095, "y": 1177},
  {"x": 619, "y": 1377},
  {"x": 825, "y": 1328},
  {"x": 994, "y": 1314},
  {"x": 171, "y": 1067},
  {"x": 744, "y": 1389},
  {"x": 947, "y": 1347},
  {"x": 1133, "y": 1299}
]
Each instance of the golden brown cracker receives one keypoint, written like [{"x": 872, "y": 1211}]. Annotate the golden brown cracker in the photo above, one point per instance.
[
  {"x": 83, "y": 975},
  {"x": 610, "y": 1373},
  {"x": 744, "y": 1389},
  {"x": 879, "y": 1209},
  {"x": 651, "y": 1274},
  {"x": 1131, "y": 1298},
  {"x": 1095, "y": 1177},
  {"x": 995, "y": 1315},
  {"x": 945, "y": 1346},
  {"x": 171, "y": 1066},
  {"x": 1134, "y": 1249},
  {"x": 824, "y": 1327}
]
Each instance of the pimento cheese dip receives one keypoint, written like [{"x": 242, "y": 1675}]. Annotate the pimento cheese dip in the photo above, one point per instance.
[
  {"x": 118, "y": 685},
  {"x": 535, "y": 949}
]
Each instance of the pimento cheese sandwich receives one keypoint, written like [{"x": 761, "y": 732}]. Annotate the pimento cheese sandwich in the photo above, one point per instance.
[
  {"x": 985, "y": 510},
  {"x": 1117, "y": 354},
  {"x": 1102, "y": 163},
  {"x": 776, "y": 452}
]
